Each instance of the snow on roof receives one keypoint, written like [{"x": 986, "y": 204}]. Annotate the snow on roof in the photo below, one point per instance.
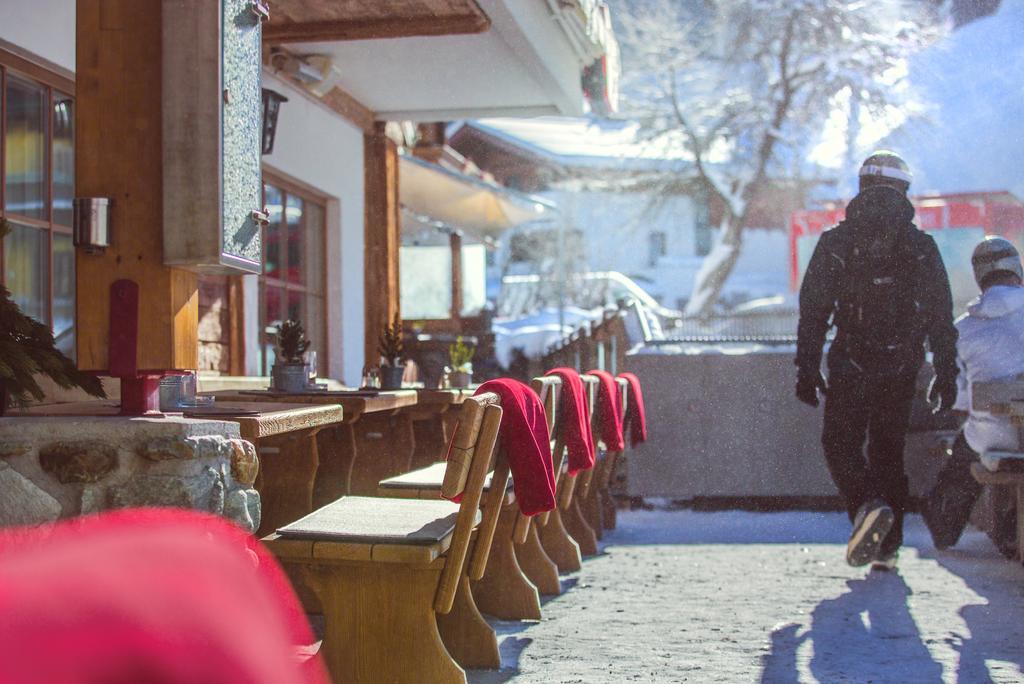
[{"x": 587, "y": 142}]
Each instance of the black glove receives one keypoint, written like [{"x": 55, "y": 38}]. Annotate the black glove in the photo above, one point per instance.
[
  {"x": 942, "y": 394},
  {"x": 808, "y": 384}
]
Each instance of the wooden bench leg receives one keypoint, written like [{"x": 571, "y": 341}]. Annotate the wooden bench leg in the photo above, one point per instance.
[
  {"x": 536, "y": 565},
  {"x": 337, "y": 450},
  {"x": 384, "y": 448},
  {"x": 380, "y": 623},
  {"x": 559, "y": 545},
  {"x": 467, "y": 636},
  {"x": 504, "y": 591},
  {"x": 608, "y": 511},
  {"x": 288, "y": 469},
  {"x": 590, "y": 507},
  {"x": 577, "y": 527}
]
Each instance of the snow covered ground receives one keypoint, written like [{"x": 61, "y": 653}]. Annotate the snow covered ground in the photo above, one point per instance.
[{"x": 686, "y": 596}]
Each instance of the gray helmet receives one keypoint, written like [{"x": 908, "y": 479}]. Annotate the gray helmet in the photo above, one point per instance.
[
  {"x": 995, "y": 254},
  {"x": 886, "y": 164}
]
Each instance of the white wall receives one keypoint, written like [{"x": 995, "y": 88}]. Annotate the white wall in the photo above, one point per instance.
[
  {"x": 318, "y": 148},
  {"x": 43, "y": 27}
]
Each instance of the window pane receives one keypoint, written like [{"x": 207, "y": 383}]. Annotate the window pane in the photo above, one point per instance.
[
  {"x": 64, "y": 293},
  {"x": 314, "y": 322},
  {"x": 63, "y": 158},
  {"x": 273, "y": 303},
  {"x": 27, "y": 269},
  {"x": 296, "y": 262},
  {"x": 272, "y": 250},
  {"x": 26, "y": 148},
  {"x": 315, "y": 247}
]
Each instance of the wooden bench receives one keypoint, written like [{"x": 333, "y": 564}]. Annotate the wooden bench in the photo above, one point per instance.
[
  {"x": 391, "y": 575},
  {"x": 505, "y": 591}
]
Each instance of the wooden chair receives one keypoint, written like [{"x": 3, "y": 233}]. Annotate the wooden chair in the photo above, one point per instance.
[
  {"x": 533, "y": 557},
  {"x": 387, "y": 571},
  {"x": 556, "y": 541},
  {"x": 505, "y": 591},
  {"x": 570, "y": 493},
  {"x": 597, "y": 504}
]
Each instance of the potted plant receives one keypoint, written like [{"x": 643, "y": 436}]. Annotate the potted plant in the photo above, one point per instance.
[
  {"x": 289, "y": 373},
  {"x": 27, "y": 349},
  {"x": 391, "y": 349},
  {"x": 461, "y": 356}
]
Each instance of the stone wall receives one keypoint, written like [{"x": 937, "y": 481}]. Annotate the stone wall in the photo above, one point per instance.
[{"x": 54, "y": 468}]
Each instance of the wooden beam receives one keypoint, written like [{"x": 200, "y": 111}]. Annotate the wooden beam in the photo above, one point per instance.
[
  {"x": 455, "y": 241},
  {"x": 118, "y": 154},
  {"x": 382, "y": 236},
  {"x": 370, "y": 29},
  {"x": 337, "y": 100}
]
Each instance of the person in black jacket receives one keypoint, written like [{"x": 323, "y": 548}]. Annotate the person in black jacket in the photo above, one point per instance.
[{"x": 881, "y": 283}]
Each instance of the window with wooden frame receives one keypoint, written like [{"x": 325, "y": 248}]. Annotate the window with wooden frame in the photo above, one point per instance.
[
  {"x": 294, "y": 259},
  {"x": 37, "y": 185}
]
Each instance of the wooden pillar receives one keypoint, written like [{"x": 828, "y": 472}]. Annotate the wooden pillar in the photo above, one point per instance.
[
  {"x": 382, "y": 235},
  {"x": 455, "y": 239},
  {"x": 118, "y": 155}
]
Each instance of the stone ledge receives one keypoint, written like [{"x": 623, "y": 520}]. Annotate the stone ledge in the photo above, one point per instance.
[{"x": 59, "y": 467}]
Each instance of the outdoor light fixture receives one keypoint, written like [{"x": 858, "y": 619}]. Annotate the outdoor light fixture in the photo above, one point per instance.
[{"x": 271, "y": 106}]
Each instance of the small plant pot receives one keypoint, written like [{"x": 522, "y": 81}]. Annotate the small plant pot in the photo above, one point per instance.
[
  {"x": 460, "y": 379},
  {"x": 289, "y": 377},
  {"x": 391, "y": 377}
]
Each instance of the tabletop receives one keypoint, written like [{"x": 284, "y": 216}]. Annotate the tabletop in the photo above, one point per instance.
[{"x": 354, "y": 402}]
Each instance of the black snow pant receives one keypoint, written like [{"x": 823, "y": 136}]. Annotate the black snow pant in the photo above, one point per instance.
[{"x": 858, "y": 405}]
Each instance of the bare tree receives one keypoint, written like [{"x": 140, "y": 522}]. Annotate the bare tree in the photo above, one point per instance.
[{"x": 746, "y": 86}]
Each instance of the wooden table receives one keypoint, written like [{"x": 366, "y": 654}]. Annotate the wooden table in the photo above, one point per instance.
[
  {"x": 434, "y": 417},
  {"x": 285, "y": 437},
  {"x": 374, "y": 441}
]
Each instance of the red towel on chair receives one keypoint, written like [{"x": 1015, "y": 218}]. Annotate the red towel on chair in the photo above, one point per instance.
[
  {"x": 609, "y": 403},
  {"x": 635, "y": 410},
  {"x": 575, "y": 420},
  {"x": 147, "y": 595},
  {"x": 525, "y": 438}
]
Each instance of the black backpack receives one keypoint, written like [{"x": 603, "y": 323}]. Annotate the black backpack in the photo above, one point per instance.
[{"x": 878, "y": 313}]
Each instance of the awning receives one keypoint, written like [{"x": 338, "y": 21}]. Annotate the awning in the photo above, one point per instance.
[{"x": 456, "y": 200}]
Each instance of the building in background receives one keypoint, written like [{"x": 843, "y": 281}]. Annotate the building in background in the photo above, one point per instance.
[{"x": 623, "y": 206}]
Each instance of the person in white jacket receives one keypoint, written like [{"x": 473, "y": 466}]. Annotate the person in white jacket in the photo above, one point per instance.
[{"x": 990, "y": 347}]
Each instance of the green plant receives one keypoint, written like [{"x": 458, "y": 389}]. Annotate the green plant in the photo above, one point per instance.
[
  {"x": 390, "y": 344},
  {"x": 27, "y": 348},
  {"x": 461, "y": 355},
  {"x": 291, "y": 342}
]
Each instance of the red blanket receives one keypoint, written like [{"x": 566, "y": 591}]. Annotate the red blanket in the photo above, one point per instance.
[
  {"x": 147, "y": 595},
  {"x": 609, "y": 405},
  {"x": 574, "y": 420},
  {"x": 525, "y": 438},
  {"x": 635, "y": 412}
]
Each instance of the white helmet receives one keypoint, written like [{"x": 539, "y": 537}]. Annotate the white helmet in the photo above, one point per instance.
[
  {"x": 886, "y": 164},
  {"x": 995, "y": 254}
]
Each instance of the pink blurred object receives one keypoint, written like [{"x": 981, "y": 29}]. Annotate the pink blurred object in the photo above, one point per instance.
[{"x": 160, "y": 596}]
